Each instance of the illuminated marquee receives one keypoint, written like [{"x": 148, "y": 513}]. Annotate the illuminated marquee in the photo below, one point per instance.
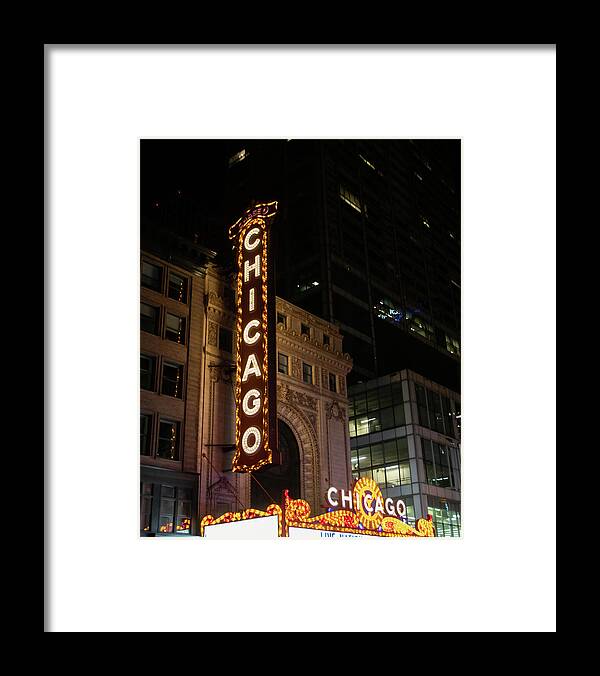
[
  {"x": 256, "y": 415},
  {"x": 367, "y": 514}
]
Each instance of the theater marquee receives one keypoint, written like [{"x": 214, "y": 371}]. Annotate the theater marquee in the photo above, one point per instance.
[
  {"x": 361, "y": 512},
  {"x": 255, "y": 393}
]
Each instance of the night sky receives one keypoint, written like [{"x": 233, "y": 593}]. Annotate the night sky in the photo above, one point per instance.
[{"x": 197, "y": 167}]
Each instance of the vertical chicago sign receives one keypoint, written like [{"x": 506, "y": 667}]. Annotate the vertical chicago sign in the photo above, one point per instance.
[{"x": 255, "y": 393}]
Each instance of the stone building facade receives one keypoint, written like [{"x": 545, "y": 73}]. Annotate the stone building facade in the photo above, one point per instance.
[
  {"x": 312, "y": 405},
  {"x": 187, "y": 409}
]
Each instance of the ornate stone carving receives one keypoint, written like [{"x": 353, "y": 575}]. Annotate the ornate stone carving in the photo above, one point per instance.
[
  {"x": 342, "y": 385},
  {"x": 303, "y": 399},
  {"x": 296, "y": 368},
  {"x": 324, "y": 379},
  {"x": 335, "y": 412},
  {"x": 313, "y": 420},
  {"x": 285, "y": 393},
  {"x": 212, "y": 333},
  {"x": 282, "y": 391}
]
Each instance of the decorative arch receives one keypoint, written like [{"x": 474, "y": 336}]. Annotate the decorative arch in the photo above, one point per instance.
[{"x": 305, "y": 434}]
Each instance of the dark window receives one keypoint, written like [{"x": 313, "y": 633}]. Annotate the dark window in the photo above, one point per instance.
[
  {"x": 151, "y": 276},
  {"x": 332, "y": 382},
  {"x": 422, "y": 406},
  {"x": 146, "y": 506},
  {"x": 168, "y": 440},
  {"x": 145, "y": 434},
  {"x": 399, "y": 415},
  {"x": 225, "y": 340},
  {"x": 282, "y": 319},
  {"x": 172, "y": 380},
  {"x": 307, "y": 373},
  {"x": 183, "y": 514},
  {"x": 305, "y": 330},
  {"x": 325, "y": 339},
  {"x": 282, "y": 363},
  {"x": 167, "y": 509},
  {"x": 177, "y": 288},
  {"x": 148, "y": 318},
  {"x": 386, "y": 418},
  {"x": 175, "y": 328},
  {"x": 147, "y": 371}
]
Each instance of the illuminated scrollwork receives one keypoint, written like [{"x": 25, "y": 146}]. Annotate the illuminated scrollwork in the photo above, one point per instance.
[{"x": 228, "y": 517}]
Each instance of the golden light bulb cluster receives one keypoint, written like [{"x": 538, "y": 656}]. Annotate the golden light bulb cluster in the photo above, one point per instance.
[{"x": 251, "y": 513}]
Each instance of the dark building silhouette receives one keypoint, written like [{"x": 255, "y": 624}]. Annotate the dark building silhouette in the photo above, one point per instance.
[{"x": 367, "y": 236}]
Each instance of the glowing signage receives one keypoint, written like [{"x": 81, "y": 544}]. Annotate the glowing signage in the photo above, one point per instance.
[
  {"x": 364, "y": 513},
  {"x": 256, "y": 416}
]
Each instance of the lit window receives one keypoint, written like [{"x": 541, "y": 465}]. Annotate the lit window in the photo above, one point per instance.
[
  {"x": 283, "y": 364},
  {"x": 307, "y": 373},
  {"x": 168, "y": 440},
  {"x": 175, "y": 510},
  {"x": 366, "y": 161},
  {"x": 177, "y": 288},
  {"x": 238, "y": 157},
  {"x": 452, "y": 345},
  {"x": 172, "y": 381},
  {"x": 385, "y": 309},
  {"x": 175, "y": 328},
  {"x": 350, "y": 199}
]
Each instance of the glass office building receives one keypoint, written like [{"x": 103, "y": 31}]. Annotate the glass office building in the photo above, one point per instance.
[{"x": 405, "y": 435}]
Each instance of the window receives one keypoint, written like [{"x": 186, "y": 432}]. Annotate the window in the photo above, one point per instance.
[
  {"x": 175, "y": 510},
  {"x": 282, "y": 363},
  {"x": 350, "y": 199},
  {"x": 452, "y": 345},
  {"x": 282, "y": 319},
  {"x": 151, "y": 276},
  {"x": 439, "y": 469},
  {"x": 168, "y": 440},
  {"x": 422, "y": 405},
  {"x": 175, "y": 328},
  {"x": 172, "y": 380},
  {"x": 381, "y": 462},
  {"x": 146, "y": 506},
  {"x": 307, "y": 373},
  {"x": 332, "y": 382},
  {"x": 445, "y": 515},
  {"x": 149, "y": 318},
  {"x": 177, "y": 288},
  {"x": 145, "y": 434},
  {"x": 225, "y": 340},
  {"x": 326, "y": 339},
  {"x": 305, "y": 330},
  {"x": 238, "y": 157},
  {"x": 147, "y": 371},
  {"x": 166, "y": 509}
]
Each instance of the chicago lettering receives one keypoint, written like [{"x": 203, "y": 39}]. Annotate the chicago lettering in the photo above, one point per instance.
[
  {"x": 369, "y": 504},
  {"x": 252, "y": 402}
]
